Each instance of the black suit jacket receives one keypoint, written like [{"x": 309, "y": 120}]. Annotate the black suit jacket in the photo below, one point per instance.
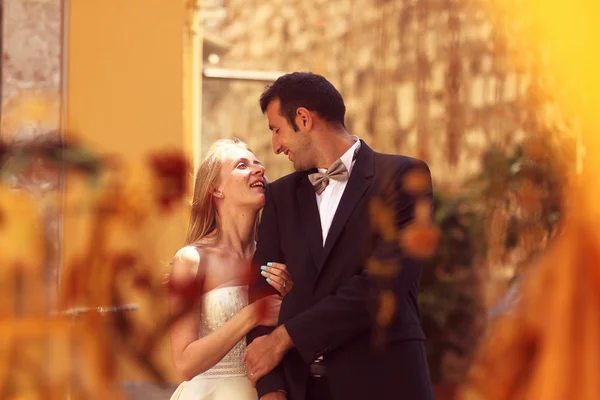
[{"x": 331, "y": 310}]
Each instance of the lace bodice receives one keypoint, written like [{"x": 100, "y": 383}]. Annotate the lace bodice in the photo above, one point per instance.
[{"x": 218, "y": 306}]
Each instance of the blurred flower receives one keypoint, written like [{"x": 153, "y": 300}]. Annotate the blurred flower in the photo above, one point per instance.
[
  {"x": 386, "y": 309},
  {"x": 383, "y": 219},
  {"x": 536, "y": 150},
  {"x": 423, "y": 211},
  {"x": 417, "y": 182},
  {"x": 109, "y": 219},
  {"x": 34, "y": 158},
  {"x": 124, "y": 261},
  {"x": 22, "y": 232},
  {"x": 530, "y": 196},
  {"x": 142, "y": 281},
  {"x": 188, "y": 290},
  {"x": 419, "y": 240},
  {"x": 3, "y": 152},
  {"x": 170, "y": 169},
  {"x": 382, "y": 269}
]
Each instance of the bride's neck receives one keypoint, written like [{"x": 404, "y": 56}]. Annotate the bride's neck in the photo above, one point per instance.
[{"x": 236, "y": 231}]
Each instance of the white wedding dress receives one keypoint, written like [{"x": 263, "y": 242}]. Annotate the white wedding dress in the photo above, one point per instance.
[{"x": 227, "y": 379}]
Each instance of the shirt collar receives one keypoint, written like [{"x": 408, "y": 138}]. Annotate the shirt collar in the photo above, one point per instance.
[{"x": 348, "y": 157}]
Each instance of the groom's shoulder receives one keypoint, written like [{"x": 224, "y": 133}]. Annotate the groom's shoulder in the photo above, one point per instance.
[
  {"x": 286, "y": 181},
  {"x": 386, "y": 162}
]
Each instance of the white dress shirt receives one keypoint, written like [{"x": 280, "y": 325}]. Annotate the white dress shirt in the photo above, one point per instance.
[{"x": 329, "y": 199}]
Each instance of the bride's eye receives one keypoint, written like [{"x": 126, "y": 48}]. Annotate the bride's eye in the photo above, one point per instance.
[{"x": 242, "y": 166}]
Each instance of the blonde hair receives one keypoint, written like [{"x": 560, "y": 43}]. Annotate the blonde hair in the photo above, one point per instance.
[{"x": 204, "y": 220}]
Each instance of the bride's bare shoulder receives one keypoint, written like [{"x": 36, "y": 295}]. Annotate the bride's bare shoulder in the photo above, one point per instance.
[{"x": 186, "y": 263}]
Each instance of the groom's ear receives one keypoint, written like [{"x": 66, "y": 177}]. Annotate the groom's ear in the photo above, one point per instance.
[{"x": 304, "y": 119}]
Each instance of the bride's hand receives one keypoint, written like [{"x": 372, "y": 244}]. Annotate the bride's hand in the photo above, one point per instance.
[
  {"x": 278, "y": 276},
  {"x": 266, "y": 310}
]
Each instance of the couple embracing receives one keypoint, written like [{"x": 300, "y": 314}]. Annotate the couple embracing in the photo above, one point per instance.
[{"x": 288, "y": 306}]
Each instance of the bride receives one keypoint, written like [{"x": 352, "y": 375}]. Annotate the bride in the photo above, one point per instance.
[{"x": 208, "y": 343}]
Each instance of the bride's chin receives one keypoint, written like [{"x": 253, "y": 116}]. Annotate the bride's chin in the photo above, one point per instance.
[{"x": 257, "y": 204}]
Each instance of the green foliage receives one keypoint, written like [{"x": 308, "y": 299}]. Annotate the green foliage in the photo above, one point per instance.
[{"x": 452, "y": 311}]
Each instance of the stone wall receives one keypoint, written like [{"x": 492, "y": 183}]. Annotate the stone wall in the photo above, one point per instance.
[
  {"x": 32, "y": 38},
  {"x": 31, "y": 63},
  {"x": 425, "y": 78}
]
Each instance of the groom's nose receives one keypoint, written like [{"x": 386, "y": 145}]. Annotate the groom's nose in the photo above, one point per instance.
[{"x": 276, "y": 145}]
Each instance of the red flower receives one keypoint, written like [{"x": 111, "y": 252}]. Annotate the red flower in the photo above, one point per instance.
[
  {"x": 420, "y": 240},
  {"x": 124, "y": 261},
  {"x": 416, "y": 183},
  {"x": 170, "y": 168},
  {"x": 142, "y": 282},
  {"x": 4, "y": 152},
  {"x": 188, "y": 290}
]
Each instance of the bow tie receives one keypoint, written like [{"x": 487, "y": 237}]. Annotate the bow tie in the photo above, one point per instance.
[{"x": 320, "y": 180}]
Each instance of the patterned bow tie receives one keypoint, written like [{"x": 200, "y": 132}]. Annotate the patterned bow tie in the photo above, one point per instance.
[{"x": 337, "y": 172}]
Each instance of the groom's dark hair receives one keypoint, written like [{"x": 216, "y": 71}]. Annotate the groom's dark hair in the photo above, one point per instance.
[{"x": 308, "y": 90}]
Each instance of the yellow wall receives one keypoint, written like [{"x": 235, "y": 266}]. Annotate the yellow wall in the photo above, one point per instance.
[
  {"x": 125, "y": 65},
  {"x": 126, "y": 93}
]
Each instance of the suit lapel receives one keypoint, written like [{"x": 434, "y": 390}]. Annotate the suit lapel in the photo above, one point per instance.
[
  {"x": 309, "y": 215},
  {"x": 359, "y": 182}
]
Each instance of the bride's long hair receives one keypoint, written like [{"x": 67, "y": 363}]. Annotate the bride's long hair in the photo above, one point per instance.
[{"x": 204, "y": 219}]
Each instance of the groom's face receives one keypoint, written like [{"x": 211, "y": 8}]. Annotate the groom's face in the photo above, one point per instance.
[{"x": 296, "y": 145}]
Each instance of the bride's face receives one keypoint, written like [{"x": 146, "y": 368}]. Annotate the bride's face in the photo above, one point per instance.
[{"x": 242, "y": 180}]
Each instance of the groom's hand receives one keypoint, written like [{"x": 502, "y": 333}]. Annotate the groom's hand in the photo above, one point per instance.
[{"x": 266, "y": 352}]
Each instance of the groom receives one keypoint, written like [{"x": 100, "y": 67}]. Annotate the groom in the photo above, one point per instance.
[{"x": 317, "y": 221}]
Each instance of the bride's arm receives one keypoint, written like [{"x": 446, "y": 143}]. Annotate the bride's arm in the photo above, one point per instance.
[{"x": 193, "y": 355}]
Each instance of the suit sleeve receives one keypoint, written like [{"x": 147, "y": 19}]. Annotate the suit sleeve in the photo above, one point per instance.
[
  {"x": 267, "y": 249},
  {"x": 337, "y": 318}
]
